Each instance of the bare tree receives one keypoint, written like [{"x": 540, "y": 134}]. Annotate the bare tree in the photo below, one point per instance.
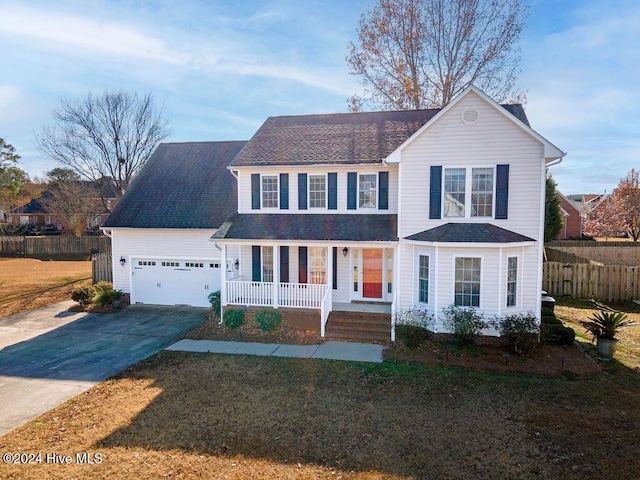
[
  {"x": 422, "y": 53},
  {"x": 71, "y": 201},
  {"x": 107, "y": 136}
]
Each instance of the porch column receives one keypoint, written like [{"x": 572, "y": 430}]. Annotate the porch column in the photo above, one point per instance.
[
  {"x": 276, "y": 276},
  {"x": 223, "y": 277},
  {"x": 329, "y": 278}
]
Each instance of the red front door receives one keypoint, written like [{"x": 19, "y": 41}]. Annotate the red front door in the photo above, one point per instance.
[{"x": 372, "y": 272}]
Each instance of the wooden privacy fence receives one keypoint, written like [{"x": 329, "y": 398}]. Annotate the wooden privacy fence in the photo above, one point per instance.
[
  {"x": 101, "y": 267},
  {"x": 607, "y": 253},
  {"x": 43, "y": 247},
  {"x": 610, "y": 283}
]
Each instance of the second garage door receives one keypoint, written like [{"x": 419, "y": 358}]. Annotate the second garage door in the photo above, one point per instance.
[{"x": 175, "y": 282}]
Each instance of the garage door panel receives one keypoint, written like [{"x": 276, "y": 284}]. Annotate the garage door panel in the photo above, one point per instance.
[{"x": 175, "y": 282}]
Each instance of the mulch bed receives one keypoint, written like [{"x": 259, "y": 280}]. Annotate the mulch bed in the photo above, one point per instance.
[
  {"x": 546, "y": 361},
  {"x": 212, "y": 329}
]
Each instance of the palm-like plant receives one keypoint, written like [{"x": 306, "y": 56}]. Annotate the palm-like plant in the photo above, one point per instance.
[{"x": 606, "y": 322}]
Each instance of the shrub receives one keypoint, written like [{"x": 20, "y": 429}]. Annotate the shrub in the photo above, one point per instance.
[
  {"x": 521, "y": 331},
  {"x": 268, "y": 320},
  {"x": 83, "y": 295},
  {"x": 233, "y": 318},
  {"x": 412, "y": 327},
  {"x": 103, "y": 287},
  {"x": 465, "y": 323},
  {"x": 214, "y": 300},
  {"x": 555, "y": 334}
]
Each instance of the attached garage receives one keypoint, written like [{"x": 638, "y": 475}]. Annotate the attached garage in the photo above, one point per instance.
[{"x": 173, "y": 281}]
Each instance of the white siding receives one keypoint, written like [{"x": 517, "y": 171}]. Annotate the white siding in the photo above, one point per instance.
[
  {"x": 157, "y": 243},
  {"x": 493, "y": 278},
  {"x": 492, "y": 140},
  {"x": 244, "y": 188},
  {"x": 345, "y": 277}
]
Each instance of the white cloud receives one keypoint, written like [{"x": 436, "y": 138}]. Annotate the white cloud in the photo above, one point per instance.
[{"x": 84, "y": 34}]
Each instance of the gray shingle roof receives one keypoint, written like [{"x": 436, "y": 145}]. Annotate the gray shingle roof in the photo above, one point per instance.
[
  {"x": 340, "y": 227},
  {"x": 469, "y": 233},
  {"x": 182, "y": 185},
  {"x": 338, "y": 138}
]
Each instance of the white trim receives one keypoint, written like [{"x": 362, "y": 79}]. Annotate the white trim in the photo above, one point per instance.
[
  {"x": 470, "y": 244},
  {"x": 326, "y": 192},
  {"x": 277, "y": 207},
  {"x": 468, "y": 190},
  {"x": 377, "y": 190},
  {"x": 453, "y": 277}
]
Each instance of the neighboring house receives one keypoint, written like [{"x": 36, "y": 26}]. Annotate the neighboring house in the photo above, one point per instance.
[
  {"x": 341, "y": 212},
  {"x": 42, "y": 212},
  {"x": 585, "y": 204},
  {"x": 572, "y": 217}
]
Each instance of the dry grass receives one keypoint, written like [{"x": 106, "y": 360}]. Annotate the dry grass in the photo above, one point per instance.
[
  {"x": 183, "y": 415},
  {"x": 27, "y": 284},
  {"x": 571, "y": 312}
]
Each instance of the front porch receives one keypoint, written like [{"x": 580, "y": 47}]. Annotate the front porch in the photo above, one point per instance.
[{"x": 320, "y": 277}]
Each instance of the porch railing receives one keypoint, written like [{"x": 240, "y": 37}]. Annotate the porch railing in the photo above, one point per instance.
[{"x": 301, "y": 295}]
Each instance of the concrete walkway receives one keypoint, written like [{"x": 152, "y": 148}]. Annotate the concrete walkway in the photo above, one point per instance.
[{"x": 355, "y": 352}]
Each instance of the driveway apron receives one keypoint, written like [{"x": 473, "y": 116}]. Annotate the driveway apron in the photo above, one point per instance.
[{"x": 50, "y": 355}]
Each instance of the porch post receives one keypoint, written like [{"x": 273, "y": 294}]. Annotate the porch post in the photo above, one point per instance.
[
  {"x": 276, "y": 275},
  {"x": 329, "y": 277},
  {"x": 223, "y": 278}
]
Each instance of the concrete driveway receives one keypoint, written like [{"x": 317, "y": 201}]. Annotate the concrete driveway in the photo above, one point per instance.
[{"x": 50, "y": 355}]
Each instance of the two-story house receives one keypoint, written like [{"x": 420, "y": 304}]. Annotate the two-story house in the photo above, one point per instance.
[{"x": 376, "y": 211}]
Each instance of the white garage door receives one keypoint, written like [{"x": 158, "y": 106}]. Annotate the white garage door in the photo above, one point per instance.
[{"x": 175, "y": 282}]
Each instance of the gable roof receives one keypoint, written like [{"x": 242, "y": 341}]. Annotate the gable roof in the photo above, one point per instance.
[
  {"x": 182, "y": 185},
  {"x": 515, "y": 115},
  {"x": 338, "y": 138},
  {"x": 282, "y": 226},
  {"x": 469, "y": 233}
]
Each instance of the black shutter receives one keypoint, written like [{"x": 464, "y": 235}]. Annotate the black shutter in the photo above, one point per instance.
[
  {"x": 255, "y": 263},
  {"x": 284, "y": 264},
  {"x": 335, "y": 268},
  {"x": 255, "y": 191},
  {"x": 502, "y": 191},
  {"x": 302, "y": 264},
  {"x": 302, "y": 191},
  {"x": 383, "y": 188},
  {"x": 284, "y": 191},
  {"x": 332, "y": 187},
  {"x": 435, "y": 195},
  {"x": 352, "y": 191}
]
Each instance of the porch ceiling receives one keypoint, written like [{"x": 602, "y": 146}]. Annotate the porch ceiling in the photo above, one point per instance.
[{"x": 324, "y": 227}]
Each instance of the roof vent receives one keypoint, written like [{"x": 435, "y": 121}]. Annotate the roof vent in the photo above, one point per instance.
[{"x": 470, "y": 116}]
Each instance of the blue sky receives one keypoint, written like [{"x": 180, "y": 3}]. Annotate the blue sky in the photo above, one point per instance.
[{"x": 221, "y": 67}]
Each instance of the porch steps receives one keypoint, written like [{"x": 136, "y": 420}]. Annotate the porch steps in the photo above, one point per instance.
[{"x": 360, "y": 326}]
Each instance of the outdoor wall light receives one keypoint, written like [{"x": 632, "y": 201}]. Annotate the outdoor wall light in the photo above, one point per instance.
[
  {"x": 345, "y": 251},
  {"x": 123, "y": 261},
  {"x": 237, "y": 264}
]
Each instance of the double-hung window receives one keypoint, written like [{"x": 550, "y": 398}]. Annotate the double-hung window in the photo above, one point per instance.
[
  {"x": 467, "y": 282},
  {"x": 468, "y": 192},
  {"x": 269, "y": 191},
  {"x": 317, "y": 265},
  {"x": 367, "y": 191},
  {"x": 317, "y": 191},
  {"x": 423, "y": 279},
  {"x": 512, "y": 281}
]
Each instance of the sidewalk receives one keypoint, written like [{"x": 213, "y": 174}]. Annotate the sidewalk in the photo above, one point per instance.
[{"x": 354, "y": 352}]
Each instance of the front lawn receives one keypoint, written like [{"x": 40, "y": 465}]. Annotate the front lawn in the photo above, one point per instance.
[{"x": 181, "y": 415}]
